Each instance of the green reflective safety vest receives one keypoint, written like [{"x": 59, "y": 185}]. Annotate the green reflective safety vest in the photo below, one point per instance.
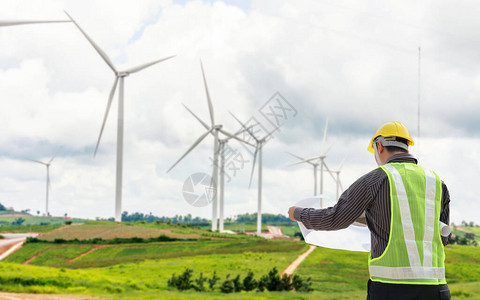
[{"x": 414, "y": 253}]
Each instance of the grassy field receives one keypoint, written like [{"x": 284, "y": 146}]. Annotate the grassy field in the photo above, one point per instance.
[
  {"x": 141, "y": 271},
  {"x": 33, "y": 220}
]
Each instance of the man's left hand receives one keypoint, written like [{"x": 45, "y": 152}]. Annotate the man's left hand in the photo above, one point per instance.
[{"x": 291, "y": 210}]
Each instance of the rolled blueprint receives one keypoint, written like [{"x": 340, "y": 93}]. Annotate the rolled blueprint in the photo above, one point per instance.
[{"x": 445, "y": 229}]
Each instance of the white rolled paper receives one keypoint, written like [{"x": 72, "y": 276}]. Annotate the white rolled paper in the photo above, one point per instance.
[{"x": 445, "y": 229}]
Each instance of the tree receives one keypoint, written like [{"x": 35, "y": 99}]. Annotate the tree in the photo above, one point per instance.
[
  {"x": 2, "y": 207},
  {"x": 18, "y": 221}
]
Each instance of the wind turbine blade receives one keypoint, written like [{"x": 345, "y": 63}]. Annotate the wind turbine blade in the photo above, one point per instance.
[
  {"x": 341, "y": 164},
  {"x": 23, "y": 22},
  {"x": 270, "y": 133},
  {"x": 198, "y": 141},
  {"x": 210, "y": 105},
  {"x": 141, "y": 67},
  {"x": 253, "y": 166},
  {"x": 196, "y": 117},
  {"x": 300, "y": 162},
  {"x": 329, "y": 148},
  {"x": 235, "y": 137},
  {"x": 110, "y": 99},
  {"x": 50, "y": 161},
  {"x": 244, "y": 127},
  {"x": 37, "y": 161},
  {"x": 329, "y": 172},
  {"x": 296, "y": 156},
  {"x": 324, "y": 137},
  {"x": 97, "y": 48}
]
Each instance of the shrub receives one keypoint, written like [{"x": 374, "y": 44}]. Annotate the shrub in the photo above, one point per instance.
[
  {"x": 301, "y": 286},
  {"x": 249, "y": 283},
  {"x": 199, "y": 283},
  {"x": 182, "y": 282},
  {"x": 212, "y": 281},
  {"x": 272, "y": 281},
  {"x": 237, "y": 284},
  {"x": 227, "y": 286},
  {"x": 286, "y": 282}
]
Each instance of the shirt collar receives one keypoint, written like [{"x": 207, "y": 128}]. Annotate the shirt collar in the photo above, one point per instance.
[{"x": 402, "y": 158}]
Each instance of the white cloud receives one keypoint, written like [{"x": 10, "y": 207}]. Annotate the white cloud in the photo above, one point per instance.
[{"x": 353, "y": 62}]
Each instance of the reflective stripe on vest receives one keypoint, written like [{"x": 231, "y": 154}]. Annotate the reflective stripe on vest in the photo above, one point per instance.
[{"x": 416, "y": 270}]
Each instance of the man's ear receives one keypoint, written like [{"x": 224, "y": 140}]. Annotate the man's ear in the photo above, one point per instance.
[{"x": 380, "y": 147}]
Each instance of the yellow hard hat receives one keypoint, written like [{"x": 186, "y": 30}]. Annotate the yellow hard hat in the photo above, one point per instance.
[{"x": 392, "y": 129}]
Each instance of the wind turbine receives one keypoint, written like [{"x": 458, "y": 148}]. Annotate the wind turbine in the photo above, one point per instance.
[
  {"x": 24, "y": 22},
  {"x": 315, "y": 165},
  {"x": 215, "y": 130},
  {"x": 221, "y": 151},
  {"x": 119, "y": 77},
  {"x": 47, "y": 164},
  {"x": 337, "y": 180},
  {"x": 321, "y": 159},
  {"x": 259, "y": 143}
]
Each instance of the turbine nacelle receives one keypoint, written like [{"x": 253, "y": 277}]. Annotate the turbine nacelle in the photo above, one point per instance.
[{"x": 122, "y": 74}]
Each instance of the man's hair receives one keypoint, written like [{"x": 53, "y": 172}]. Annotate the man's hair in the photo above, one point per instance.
[{"x": 398, "y": 149}]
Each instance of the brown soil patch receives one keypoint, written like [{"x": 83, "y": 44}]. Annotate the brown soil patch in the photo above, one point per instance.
[
  {"x": 87, "y": 252},
  {"x": 32, "y": 258},
  {"x": 293, "y": 266}
]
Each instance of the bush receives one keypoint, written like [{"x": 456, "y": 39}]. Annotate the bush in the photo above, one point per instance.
[
  {"x": 199, "y": 283},
  {"x": 271, "y": 282},
  {"x": 227, "y": 286},
  {"x": 301, "y": 286},
  {"x": 237, "y": 284},
  {"x": 249, "y": 283},
  {"x": 212, "y": 281}
]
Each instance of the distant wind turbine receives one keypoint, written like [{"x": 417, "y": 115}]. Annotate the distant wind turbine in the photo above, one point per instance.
[
  {"x": 215, "y": 130},
  {"x": 221, "y": 151},
  {"x": 119, "y": 77},
  {"x": 47, "y": 164},
  {"x": 321, "y": 159},
  {"x": 337, "y": 180},
  {"x": 315, "y": 165},
  {"x": 24, "y": 22},
  {"x": 259, "y": 143}
]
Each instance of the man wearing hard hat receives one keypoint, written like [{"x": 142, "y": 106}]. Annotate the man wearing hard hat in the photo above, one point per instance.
[{"x": 405, "y": 208}]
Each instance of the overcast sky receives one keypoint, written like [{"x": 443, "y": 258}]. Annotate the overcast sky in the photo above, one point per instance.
[{"x": 355, "y": 63}]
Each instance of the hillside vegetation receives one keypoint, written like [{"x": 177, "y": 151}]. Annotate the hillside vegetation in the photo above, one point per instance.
[{"x": 141, "y": 270}]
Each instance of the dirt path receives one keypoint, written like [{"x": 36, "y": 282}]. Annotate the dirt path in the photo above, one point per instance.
[
  {"x": 293, "y": 266},
  {"x": 18, "y": 296},
  {"x": 10, "y": 249},
  {"x": 86, "y": 252}
]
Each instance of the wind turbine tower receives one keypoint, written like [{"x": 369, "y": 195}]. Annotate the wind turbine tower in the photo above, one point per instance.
[
  {"x": 47, "y": 164},
  {"x": 215, "y": 130},
  {"x": 119, "y": 79},
  {"x": 259, "y": 143}
]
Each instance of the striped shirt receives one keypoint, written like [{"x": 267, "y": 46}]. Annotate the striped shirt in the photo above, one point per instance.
[{"x": 370, "y": 194}]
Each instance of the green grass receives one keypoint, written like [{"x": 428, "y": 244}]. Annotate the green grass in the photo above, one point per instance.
[
  {"x": 34, "y": 220},
  {"x": 136, "y": 279},
  {"x": 141, "y": 271},
  {"x": 475, "y": 230},
  {"x": 462, "y": 234},
  {"x": 29, "y": 228},
  {"x": 60, "y": 255}
]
